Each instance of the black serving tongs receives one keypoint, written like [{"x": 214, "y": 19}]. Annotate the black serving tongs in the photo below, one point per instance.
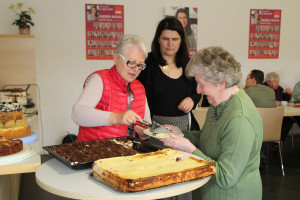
[{"x": 155, "y": 127}]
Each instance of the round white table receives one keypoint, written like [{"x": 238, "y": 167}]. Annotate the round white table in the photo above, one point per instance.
[{"x": 54, "y": 177}]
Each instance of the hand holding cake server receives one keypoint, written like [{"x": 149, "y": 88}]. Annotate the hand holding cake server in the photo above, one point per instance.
[{"x": 112, "y": 99}]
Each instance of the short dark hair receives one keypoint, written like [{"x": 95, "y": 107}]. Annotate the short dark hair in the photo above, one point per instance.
[
  {"x": 258, "y": 76},
  {"x": 182, "y": 55}
]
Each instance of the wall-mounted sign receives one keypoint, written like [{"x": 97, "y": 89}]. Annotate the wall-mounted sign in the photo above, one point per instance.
[
  {"x": 264, "y": 34},
  {"x": 104, "y": 28}
]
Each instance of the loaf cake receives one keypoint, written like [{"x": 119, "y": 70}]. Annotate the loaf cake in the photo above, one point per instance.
[
  {"x": 13, "y": 95},
  {"x": 13, "y": 125},
  {"x": 150, "y": 170},
  {"x": 8, "y": 146},
  {"x": 13, "y": 91}
]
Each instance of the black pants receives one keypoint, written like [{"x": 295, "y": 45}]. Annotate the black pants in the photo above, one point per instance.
[
  {"x": 287, "y": 124},
  {"x": 297, "y": 118}
]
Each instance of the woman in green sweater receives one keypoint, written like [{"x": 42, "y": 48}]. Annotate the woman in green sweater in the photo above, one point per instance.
[{"x": 232, "y": 134}]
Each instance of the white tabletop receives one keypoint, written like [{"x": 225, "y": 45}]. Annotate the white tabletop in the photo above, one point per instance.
[
  {"x": 291, "y": 111},
  {"x": 53, "y": 176},
  {"x": 288, "y": 111}
]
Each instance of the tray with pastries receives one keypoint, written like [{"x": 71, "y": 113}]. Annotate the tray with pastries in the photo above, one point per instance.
[{"x": 81, "y": 155}]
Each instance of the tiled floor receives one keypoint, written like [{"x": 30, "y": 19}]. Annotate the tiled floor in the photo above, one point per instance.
[{"x": 275, "y": 186}]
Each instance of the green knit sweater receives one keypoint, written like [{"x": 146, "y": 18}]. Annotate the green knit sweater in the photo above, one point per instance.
[{"x": 233, "y": 142}]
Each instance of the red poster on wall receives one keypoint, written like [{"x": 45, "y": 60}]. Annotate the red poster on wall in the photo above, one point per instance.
[
  {"x": 264, "y": 34},
  {"x": 104, "y": 28}
]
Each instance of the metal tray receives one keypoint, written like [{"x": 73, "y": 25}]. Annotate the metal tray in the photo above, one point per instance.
[{"x": 138, "y": 145}]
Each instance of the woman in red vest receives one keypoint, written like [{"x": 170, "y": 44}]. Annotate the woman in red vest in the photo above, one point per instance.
[{"x": 112, "y": 99}]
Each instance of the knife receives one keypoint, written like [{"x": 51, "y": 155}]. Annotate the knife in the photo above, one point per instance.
[{"x": 155, "y": 127}]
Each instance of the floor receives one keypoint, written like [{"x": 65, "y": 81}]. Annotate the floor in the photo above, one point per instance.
[{"x": 275, "y": 186}]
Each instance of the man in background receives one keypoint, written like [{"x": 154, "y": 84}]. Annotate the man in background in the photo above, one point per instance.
[
  {"x": 272, "y": 80},
  {"x": 296, "y": 92},
  {"x": 296, "y": 97},
  {"x": 262, "y": 97}
]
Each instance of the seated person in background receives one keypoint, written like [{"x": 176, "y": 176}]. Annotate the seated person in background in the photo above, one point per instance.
[
  {"x": 262, "y": 97},
  {"x": 232, "y": 133},
  {"x": 112, "y": 99},
  {"x": 272, "y": 80},
  {"x": 296, "y": 92},
  {"x": 296, "y": 97}
]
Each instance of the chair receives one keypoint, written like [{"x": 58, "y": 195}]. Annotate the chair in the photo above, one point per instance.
[
  {"x": 200, "y": 115},
  {"x": 272, "y": 122}
]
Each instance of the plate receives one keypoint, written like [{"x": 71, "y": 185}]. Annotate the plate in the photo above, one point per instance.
[
  {"x": 30, "y": 138},
  {"x": 16, "y": 157},
  {"x": 161, "y": 136}
]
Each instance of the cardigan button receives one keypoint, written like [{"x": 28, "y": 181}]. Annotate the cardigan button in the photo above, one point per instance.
[{"x": 125, "y": 107}]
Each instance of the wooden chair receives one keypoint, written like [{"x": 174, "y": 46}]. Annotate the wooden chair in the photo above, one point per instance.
[
  {"x": 200, "y": 115},
  {"x": 272, "y": 122}
]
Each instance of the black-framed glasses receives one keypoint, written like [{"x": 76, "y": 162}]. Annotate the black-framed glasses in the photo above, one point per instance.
[{"x": 133, "y": 64}]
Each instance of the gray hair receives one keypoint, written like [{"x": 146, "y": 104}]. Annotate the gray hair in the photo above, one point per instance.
[
  {"x": 128, "y": 41},
  {"x": 271, "y": 76},
  {"x": 215, "y": 65}
]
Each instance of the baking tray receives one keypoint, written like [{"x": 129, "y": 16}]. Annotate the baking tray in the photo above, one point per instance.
[
  {"x": 139, "y": 145},
  {"x": 185, "y": 177}
]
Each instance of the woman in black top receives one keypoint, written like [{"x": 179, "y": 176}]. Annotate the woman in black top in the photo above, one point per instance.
[{"x": 171, "y": 96}]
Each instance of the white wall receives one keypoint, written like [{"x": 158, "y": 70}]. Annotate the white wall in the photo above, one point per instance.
[{"x": 60, "y": 44}]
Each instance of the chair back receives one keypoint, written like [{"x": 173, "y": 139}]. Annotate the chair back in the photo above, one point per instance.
[
  {"x": 200, "y": 115},
  {"x": 272, "y": 122}
]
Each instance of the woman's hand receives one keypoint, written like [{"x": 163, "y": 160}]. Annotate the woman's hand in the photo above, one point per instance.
[
  {"x": 128, "y": 117},
  {"x": 172, "y": 128},
  {"x": 179, "y": 143},
  {"x": 288, "y": 90},
  {"x": 186, "y": 105},
  {"x": 139, "y": 129}
]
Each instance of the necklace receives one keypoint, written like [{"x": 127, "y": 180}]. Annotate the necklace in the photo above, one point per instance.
[
  {"x": 217, "y": 116},
  {"x": 165, "y": 68}
]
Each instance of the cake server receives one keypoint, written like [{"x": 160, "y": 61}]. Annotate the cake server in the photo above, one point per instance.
[
  {"x": 30, "y": 116},
  {"x": 155, "y": 127}
]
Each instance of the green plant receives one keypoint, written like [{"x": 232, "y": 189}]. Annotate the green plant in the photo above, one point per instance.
[{"x": 24, "y": 16}]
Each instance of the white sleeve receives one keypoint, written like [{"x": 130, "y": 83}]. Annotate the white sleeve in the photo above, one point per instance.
[
  {"x": 84, "y": 112},
  {"x": 147, "y": 116}
]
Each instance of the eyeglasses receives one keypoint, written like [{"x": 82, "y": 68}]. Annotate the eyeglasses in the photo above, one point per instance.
[{"x": 133, "y": 64}]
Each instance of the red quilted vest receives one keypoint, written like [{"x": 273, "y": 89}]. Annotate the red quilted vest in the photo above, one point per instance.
[{"x": 114, "y": 99}]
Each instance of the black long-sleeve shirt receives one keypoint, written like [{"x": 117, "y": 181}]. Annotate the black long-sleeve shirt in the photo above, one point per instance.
[{"x": 164, "y": 93}]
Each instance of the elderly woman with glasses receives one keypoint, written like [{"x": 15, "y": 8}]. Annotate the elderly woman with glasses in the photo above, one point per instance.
[
  {"x": 112, "y": 99},
  {"x": 232, "y": 133}
]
